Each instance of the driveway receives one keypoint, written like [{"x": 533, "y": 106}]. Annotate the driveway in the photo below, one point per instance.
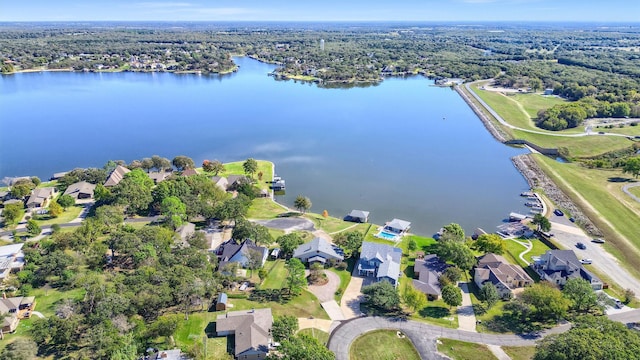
[
  {"x": 352, "y": 297},
  {"x": 327, "y": 291},
  {"x": 288, "y": 224},
  {"x": 466, "y": 316},
  {"x": 567, "y": 234}
]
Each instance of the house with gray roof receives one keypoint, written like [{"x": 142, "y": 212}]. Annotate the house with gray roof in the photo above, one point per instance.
[
  {"x": 233, "y": 181},
  {"x": 359, "y": 216},
  {"x": 80, "y": 190},
  {"x": 380, "y": 261},
  {"x": 187, "y": 229},
  {"x": 318, "y": 250},
  {"x": 496, "y": 270},
  {"x": 39, "y": 197},
  {"x": 116, "y": 176},
  {"x": 232, "y": 251},
  {"x": 252, "y": 331},
  {"x": 427, "y": 272},
  {"x": 558, "y": 266},
  {"x": 159, "y": 177},
  {"x": 220, "y": 182},
  {"x": 397, "y": 226}
]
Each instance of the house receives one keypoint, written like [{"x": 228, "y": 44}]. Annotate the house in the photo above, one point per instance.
[
  {"x": 186, "y": 230},
  {"x": 233, "y": 181},
  {"x": 58, "y": 175},
  {"x": 231, "y": 251},
  {"x": 175, "y": 354},
  {"x": 397, "y": 226},
  {"x": 505, "y": 277},
  {"x": 11, "y": 259},
  {"x": 4, "y": 195},
  {"x": 80, "y": 190},
  {"x": 380, "y": 261},
  {"x": 189, "y": 172},
  {"x": 220, "y": 182},
  {"x": 16, "y": 308},
  {"x": 548, "y": 91},
  {"x": 40, "y": 197},
  {"x": 13, "y": 201},
  {"x": 558, "y": 266},
  {"x": 427, "y": 272},
  {"x": 116, "y": 176},
  {"x": 357, "y": 216},
  {"x": 159, "y": 177},
  {"x": 252, "y": 331},
  {"x": 221, "y": 302},
  {"x": 318, "y": 250}
]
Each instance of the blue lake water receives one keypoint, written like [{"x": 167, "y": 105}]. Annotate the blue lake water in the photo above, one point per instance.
[{"x": 401, "y": 149}]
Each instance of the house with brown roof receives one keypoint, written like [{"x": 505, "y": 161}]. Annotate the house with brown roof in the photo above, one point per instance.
[
  {"x": 40, "y": 197},
  {"x": 81, "y": 190},
  {"x": 15, "y": 308},
  {"x": 116, "y": 176},
  {"x": 252, "y": 331},
  {"x": 505, "y": 277},
  {"x": 427, "y": 272}
]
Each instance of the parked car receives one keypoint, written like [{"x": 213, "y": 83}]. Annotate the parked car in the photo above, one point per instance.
[
  {"x": 581, "y": 246},
  {"x": 558, "y": 212},
  {"x": 572, "y": 219},
  {"x": 586, "y": 261},
  {"x": 619, "y": 304},
  {"x": 598, "y": 240}
]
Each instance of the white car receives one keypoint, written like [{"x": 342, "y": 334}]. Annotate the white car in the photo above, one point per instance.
[
  {"x": 586, "y": 261},
  {"x": 598, "y": 241}
]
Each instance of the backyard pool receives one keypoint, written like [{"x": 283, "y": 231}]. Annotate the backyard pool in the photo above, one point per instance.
[{"x": 387, "y": 236}]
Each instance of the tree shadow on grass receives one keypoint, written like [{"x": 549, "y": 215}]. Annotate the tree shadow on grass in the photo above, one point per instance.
[
  {"x": 506, "y": 323},
  {"x": 617, "y": 179},
  {"x": 436, "y": 312}
]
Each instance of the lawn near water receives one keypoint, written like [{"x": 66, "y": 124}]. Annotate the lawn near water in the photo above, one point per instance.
[
  {"x": 382, "y": 345},
  {"x": 235, "y": 168},
  {"x": 68, "y": 215}
]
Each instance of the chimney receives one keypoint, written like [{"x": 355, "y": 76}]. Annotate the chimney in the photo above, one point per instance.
[{"x": 4, "y": 295}]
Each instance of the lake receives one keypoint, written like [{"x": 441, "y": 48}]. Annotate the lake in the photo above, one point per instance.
[{"x": 402, "y": 149}]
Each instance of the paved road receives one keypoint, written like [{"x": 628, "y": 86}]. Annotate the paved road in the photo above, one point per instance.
[
  {"x": 46, "y": 228},
  {"x": 629, "y": 186},
  {"x": 424, "y": 335},
  {"x": 567, "y": 235}
]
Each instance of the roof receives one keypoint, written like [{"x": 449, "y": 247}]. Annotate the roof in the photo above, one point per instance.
[
  {"x": 159, "y": 176},
  {"x": 399, "y": 224},
  {"x": 13, "y": 303},
  {"x": 317, "y": 246},
  {"x": 58, "y": 175},
  {"x": 388, "y": 256},
  {"x": 11, "y": 256},
  {"x": 116, "y": 176},
  {"x": 189, "y": 172},
  {"x": 565, "y": 264},
  {"x": 497, "y": 270},
  {"x": 491, "y": 259},
  {"x": 174, "y": 354},
  {"x": 360, "y": 214},
  {"x": 38, "y": 196},
  {"x": 389, "y": 269},
  {"x": 232, "y": 179},
  {"x": 251, "y": 329},
  {"x": 231, "y": 251},
  {"x": 81, "y": 187},
  {"x": 429, "y": 271},
  {"x": 185, "y": 230},
  {"x": 222, "y": 298}
]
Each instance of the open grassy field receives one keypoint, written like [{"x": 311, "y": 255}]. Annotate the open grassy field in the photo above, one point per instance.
[
  {"x": 520, "y": 352},
  {"x": 460, "y": 350},
  {"x": 330, "y": 224},
  {"x": 382, "y": 345},
  {"x": 304, "y": 305},
  {"x": 583, "y": 146},
  {"x": 264, "y": 208},
  {"x": 322, "y": 336},
  {"x": 235, "y": 168},
  {"x": 598, "y": 193},
  {"x": 68, "y": 215},
  {"x": 625, "y": 130},
  {"x": 276, "y": 275}
]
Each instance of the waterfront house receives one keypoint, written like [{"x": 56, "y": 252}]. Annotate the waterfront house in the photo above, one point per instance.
[
  {"x": 233, "y": 181},
  {"x": 318, "y": 250},
  {"x": 558, "y": 266},
  {"x": 11, "y": 259},
  {"x": 220, "y": 182},
  {"x": 159, "y": 177},
  {"x": 505, "y": 277},
  {"x": 397, "y": 226},
  {"x": 252, "y": 331},
  {"x": 427, "y": 272},
  {"x": 380, "y": 261},
  {"x": 40, "y": 197},
  {"x": 231, "y": 251},
  {"x": 80, "y": 190},
  {"x": 58, "y": 175},
  {"x": 359, "y": 216},
  {"x": 116, "y": 176},
  {"x": 189, "y": 172}
]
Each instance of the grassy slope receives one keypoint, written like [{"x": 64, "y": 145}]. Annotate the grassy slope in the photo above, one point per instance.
[
  {"x": 68, "y": 215},
  {"x": 460, "y": 350},
  {"x": 276, "y": 275},
  {"x": 322, "y": 336},
  {"x": 520, "y": 352},
  {"x": 382, "y": 345}
]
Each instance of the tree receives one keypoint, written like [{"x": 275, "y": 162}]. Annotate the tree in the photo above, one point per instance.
[
  {"x": 21, "y": 190},
  {"x": 316, "y": 271},
  {"x": 629, "y": 295},
  {"x": 301, "y": 347},
  {"x": 139, "y": 177},
  {"x": 545, "y": 301},
  {"x": 414, "y": 298},
  {"x": 20, "y": 349},
  {"x": 382, "y": 295},
  {"x": 302, "y": 203},
  {"x": 350, "y": 242},
  {"x": 288, "y": 243},
  {"x": 453, "y": 274},
  {"x": 632, "y": 166},
  {"x": 12, "y": 213},
  {"x": 182, "y": 162},
  {"x": 325, "y": 214},
  {"x": 160, "y": 163},
  {"x": 453, "y": 232},
  {"x": 33, "y": 228},
  {"x": 295, "y": 276},
  {"x": 542, "y": 222},
  {"x": 490, "y": 243},
  {"x": 174, "y": 211},
  {"x": 590, "y": 337},
  {"x": 36, "y": 180},
  {"x": 250, "y": 166},
  {"x": 284, "y": 327},
  {"x": 55, "y": 209},
  {"x": 66, "y": 201},
  {"x": 134, "y": 197},
  {"x": 232, "y": 209},
  {"x": 214, "y": 167},
  {"x": 579, "y": 291},
  {"x": 452, "y": 295},
  {"x": 110, "y": 216},
  {"x": 489, "y": 294},
  {"x": 102, "y": 194},
  {"x": 254, "y": 259},
  {"x": 245, "y": 229},
  {"x": 146, "y": 164},
  {"x": 535, "y": 84},
  {"x": 456, "y": 252},
  {"x": 412, "y": 245},
  {"x": 262, "y": 274}
]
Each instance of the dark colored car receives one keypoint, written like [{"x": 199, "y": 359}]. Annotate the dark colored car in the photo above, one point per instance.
[
  {"x": 558, "y": 212},
  {"x": 572, "y": 219},
  {"x": 581, "y": 246}
]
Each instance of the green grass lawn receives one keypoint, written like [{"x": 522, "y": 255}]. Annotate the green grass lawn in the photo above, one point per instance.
[
  {"x": 192, "y": 332},
  {"x": 276, "y": 275},
  {"x": 235, "y": 168},
  {"x": 322, "y": 336},
  {"x": 461, "y": 350},
  {"x": 44, "y": 184},
  {"x": 520, "y": 352},
  {"x": 48, "y": 299},
  {"x": 514, "y": 249},
  {"x": 304, "y": 305},
  {"x": 382, "y": 345},
  {"x": 345, "y": 278},
  {"x": 635, "y": 191},
  {"x": 264, "y": 208},
  {"x": 329, "y": 224},
  {"x": 68, "y": 215},
  {"x": 626, "y": 130},
  {"x": 583, "y": 146}
]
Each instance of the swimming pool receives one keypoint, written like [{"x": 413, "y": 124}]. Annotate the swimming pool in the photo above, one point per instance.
[{"x": 387, "y": 236}]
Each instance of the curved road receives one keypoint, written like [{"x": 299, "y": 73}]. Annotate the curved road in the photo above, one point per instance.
[
  {"x": 424, "y": 335},
  {"x": 629, "y": 186}
]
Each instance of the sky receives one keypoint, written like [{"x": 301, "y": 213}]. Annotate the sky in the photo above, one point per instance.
[{"x": 602, "y": 11}]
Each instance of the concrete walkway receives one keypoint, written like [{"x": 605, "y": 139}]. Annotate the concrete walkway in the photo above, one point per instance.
[
  {"x": 498, "y": 352},
  {"x": 466, "y": 316},
  {"x": 629, "y": 186},
  {"x": 333, "y": 310},
  {"x": 352, "y": 297}
]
